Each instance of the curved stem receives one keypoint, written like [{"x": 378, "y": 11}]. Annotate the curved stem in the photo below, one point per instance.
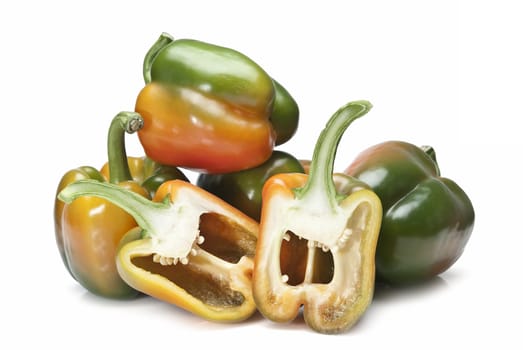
[
  {"x": 431, "y": 152},
  {"x": 143, "y": 210},
  {"x": 123, "y": 122},
  {"x": 164, "y": 40},
  {"x": 320, "y": 184}
]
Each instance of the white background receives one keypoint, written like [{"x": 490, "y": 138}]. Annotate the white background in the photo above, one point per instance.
[{"x": 444, "y": 73}]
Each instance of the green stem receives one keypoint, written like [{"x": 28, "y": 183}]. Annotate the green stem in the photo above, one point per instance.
[
  {"x": 431, "y": 152},
  {"x": 123, "y": 122},
  {"x": 143, "y": 210},
  {"x": 320, "y": 184},
  {"x": 164, "y": 40}
]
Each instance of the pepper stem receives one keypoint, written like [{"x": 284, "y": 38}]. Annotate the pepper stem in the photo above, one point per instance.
[
  {"x": 123, "y": 122},
  {"x": 320, "y": 186},
  {"x": 139, "y": 207},
  {"x": 164, "y": 40},
  {"x": 431, "y": 152}
]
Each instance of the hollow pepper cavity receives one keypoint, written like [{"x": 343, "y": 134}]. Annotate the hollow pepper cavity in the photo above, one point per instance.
[
  {"x": 317, "y": 239},
  {"x": 191, "y": 249},
  {"x": 427, "y": 219},
  {"x": 210, "y": 108}
]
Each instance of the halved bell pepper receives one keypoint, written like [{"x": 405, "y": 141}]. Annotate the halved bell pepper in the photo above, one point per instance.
[
  {"x": 427, "y": 220},
  {"x": 89, "y": 229},
  {"x": 210, "y": 108},
  {"x": 317, "y": 240},
  {"x": 192, "y": 249},
  {"x": 243, "y": 189}
]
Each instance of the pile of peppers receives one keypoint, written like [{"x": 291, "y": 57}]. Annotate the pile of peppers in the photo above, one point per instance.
[{"x": 260, "y": 230}]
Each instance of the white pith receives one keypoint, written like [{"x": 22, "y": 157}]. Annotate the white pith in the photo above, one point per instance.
[
  {"x": 325, "y": 229},
  {"x": 323, "y": 226},
  {"x": 175, "y": 233}
]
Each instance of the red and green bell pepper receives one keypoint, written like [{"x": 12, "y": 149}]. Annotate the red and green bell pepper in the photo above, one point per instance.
[
  {"x": 427, "y": 218},
  {"x": 210, "y": 108}
]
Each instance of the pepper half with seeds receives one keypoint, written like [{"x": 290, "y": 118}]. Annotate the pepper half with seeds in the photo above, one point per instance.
[
  {"x": 191, "y": 248},
  {"x": 317, "y": 241}
]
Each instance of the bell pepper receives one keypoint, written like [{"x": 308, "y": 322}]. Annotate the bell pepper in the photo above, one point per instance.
[
  {"x": 88, "y": 230},
  {"x": 243, "y": 189},
  {"x": 317, "y": 241},
  {"x": 427, "y": 220},
  {"x": 285, "y": 114},
  {"x": 149, "y": 174},
  {"x": 192, "y": 249},
  {"x": 210, "y": 108}
]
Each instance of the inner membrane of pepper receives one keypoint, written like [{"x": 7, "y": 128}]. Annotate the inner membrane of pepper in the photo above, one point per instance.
[
  {"x": 223, "y": 238},
  {"x": 297, "y": 252}
]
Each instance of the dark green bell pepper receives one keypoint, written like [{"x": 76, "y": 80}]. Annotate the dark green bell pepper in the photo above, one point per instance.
[
  {"x": 243, "y": 189},
  {"x": 427, "y": 219},
  {"x": 285, "y": 114}
]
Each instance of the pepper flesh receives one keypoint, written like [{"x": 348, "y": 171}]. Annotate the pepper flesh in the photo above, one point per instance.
[
  {"x": 205, "y": 107},
  {"x": 428, "y": 219},
  {"x": 343, "y": 225},
  {"x": 193, "y": 250}
]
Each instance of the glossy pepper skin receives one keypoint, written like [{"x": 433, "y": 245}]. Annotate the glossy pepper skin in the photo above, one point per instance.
[
  {"x": 73, "y": 175},
  {"x": 285, "y": 114},
  {"x": 243, "y": 189},
  {"x": 149, "y": 174},
  {"x": 317, "y": 240},
  {"x": 427, "y": 220},
  {"x": 89, "y": 229},
  {"x": 191, "y": 249},
  {"x": 210, "y": 108}
]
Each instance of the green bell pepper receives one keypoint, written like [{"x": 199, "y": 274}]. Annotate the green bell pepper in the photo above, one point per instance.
[
  {"x": 243, "y": 189},
  {"x": 285, "y": 114},
  {"x": 427, "y": 219}
]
